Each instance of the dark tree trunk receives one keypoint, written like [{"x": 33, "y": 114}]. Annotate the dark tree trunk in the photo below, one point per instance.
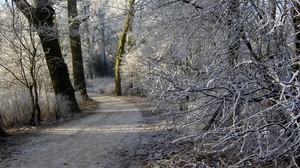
[
  {"x": 75, "y": 41},
  {"x": 2, "y": 132},
  {"x": 234, "y": 31},
  {"x": 34, "y": 94},
  {"x": 36, "y": 102},
  {"x": 121, "y": 48},
  {"x": 103, "y": 46},
  {"x": 296, "y": 65},
  {"x": 296, "y": 21},
  {"x": 32, "y": 120},
  {"x": 42, "y": 18},
  {"x": 58, "y": 70}
]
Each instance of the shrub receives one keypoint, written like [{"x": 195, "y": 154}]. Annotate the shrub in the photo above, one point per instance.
[
  {"x": 15, "y": 107},
  {"x": 103, "y": 85}
]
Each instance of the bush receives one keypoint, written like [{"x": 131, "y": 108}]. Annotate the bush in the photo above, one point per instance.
[
  {"x": 15, "y": 107},
  {"x": 103, "y": 85}
]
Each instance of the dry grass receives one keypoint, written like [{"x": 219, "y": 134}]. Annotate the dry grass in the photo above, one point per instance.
[
  {"x": 15, "y": 108},
  {"x": 103, "y": 86}
]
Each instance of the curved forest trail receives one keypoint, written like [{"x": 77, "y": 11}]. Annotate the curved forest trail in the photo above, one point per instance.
[{"x": 102, "y": 140}]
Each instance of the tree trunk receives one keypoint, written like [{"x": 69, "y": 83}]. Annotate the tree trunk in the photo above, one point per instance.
[
  {"x": 2, "y": 132},
  {"x": 121, "y": 47},
  {"x": 234, "y": 31},
  {"x": 34, "y": 94},
  {"x": 36, "y": 102},
  {"x": 32, "y": 120},
  {"x": 42, "y": 18},
  {"x": 90, "y": 74},
  {"x": 75, "y": 41},
  {"x": 296, "y": 65},
  {"x": 103, "y": 45},
  {"x": 296, "y": 22}
]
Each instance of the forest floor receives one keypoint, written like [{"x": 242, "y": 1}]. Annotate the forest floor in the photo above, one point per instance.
[{"x": 120, "y": 132}]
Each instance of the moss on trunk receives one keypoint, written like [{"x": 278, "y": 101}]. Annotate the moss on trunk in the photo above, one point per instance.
[{"x": 121, "y": 47}]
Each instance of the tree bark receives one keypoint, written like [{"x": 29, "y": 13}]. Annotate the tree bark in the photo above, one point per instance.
[
  {"x": 296, "y": 65},
  {"x": 103, "y": 45},
  {"x": 121, "y": 47},
  {"x": 75, "y": 41},
  {"x": 234, "y": 31},
  {"x": 296, "y": 22},
  {"x": 34, "y": 94},
  {"x": 42, "y": 17},
  {"x": 2, "y": 132},
  {"x": 90, "y": 74}
]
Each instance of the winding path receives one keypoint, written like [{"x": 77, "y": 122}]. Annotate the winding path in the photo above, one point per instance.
[{"x": 96, "y": 141}]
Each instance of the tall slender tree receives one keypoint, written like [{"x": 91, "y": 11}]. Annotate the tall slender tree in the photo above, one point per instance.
[
  {"x": 103, "y": 44},
  {"x": 75, "y": 41},
  {"x": 22, "y": 42},
  {"x": 86, "y": 9},
  {"x": 121, "y": 47},
  {"x": 41, "y": 16}
]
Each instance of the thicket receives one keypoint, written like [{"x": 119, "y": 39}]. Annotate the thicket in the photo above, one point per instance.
[{"x": 232, "y": 67}]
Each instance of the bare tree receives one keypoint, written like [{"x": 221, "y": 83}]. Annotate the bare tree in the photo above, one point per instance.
[
  {"x": 41, "y": 17},
  {"x": 248, "y": 109},
  {"x": 23, "y": 61},
  {"x": 100, "y": 37}
]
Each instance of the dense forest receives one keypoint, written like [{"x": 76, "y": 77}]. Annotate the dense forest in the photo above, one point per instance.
[{"x": 228, "y": 70}]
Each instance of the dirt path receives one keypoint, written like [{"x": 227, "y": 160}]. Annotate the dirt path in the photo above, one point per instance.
[{"x": 100, "y": 140}]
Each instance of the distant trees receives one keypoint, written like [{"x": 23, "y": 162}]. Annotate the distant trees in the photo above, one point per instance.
[{"x": 99, "y": 38}]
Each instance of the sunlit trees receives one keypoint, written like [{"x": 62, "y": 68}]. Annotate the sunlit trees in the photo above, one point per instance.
[
  {"x": 231, "y": 64},
  {"x": 41, "y": 16},
  {"x": 99, "y": 36},
  {"x": 21, "y": 61},
  {"x": 121, "y": 47},
  {"x": 231, "y": 67}
]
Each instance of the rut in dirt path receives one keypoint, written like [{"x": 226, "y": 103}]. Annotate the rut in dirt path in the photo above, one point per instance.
[{"x": 93, "y": 141}]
